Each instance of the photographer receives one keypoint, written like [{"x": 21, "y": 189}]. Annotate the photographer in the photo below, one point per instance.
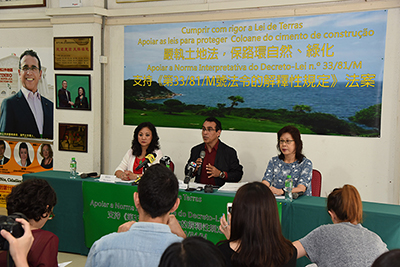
[
  {"x": 19, "y": 247},
  {"x": 35, "y": 199}
]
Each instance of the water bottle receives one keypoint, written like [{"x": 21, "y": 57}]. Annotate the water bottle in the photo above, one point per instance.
[
  {"x": 72, "y": 169},
  {"x": 288, "y": 187}
]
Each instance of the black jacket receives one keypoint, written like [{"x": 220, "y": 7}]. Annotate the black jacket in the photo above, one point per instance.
[{"x": 226, "y": 160}]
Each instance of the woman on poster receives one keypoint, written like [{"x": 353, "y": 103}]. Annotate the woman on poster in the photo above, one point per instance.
[
  {"x": 23, "y": 152},
  {"x": 47, "y": 153}
]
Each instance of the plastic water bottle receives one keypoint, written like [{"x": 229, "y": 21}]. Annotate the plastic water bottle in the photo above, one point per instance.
[
  {"x": 289, "y": 187},
  {"x": 72, "y": 169}
]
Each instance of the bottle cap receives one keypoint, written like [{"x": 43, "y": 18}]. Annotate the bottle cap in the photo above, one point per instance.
[
  {"x": 73, "y": 158},
  {"x": 289, "y": 176}
]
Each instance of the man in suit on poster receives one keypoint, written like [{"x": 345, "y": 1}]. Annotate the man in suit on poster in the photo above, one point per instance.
[
  {"x": 64, "y": 96},
  {"x": 3, "y": 159},
  {"x": 27, "y": 113}
]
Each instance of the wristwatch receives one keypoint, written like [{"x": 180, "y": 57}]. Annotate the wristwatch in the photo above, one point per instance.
[{"x": 222, "y": 175}]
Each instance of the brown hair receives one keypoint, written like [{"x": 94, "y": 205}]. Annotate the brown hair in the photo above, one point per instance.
[
  {"x": 255, "y": 223},
  {"x": 346, "y": 203}
]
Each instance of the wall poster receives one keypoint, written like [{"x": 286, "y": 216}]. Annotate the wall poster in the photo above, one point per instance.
[{"x": 322, "y": 73}]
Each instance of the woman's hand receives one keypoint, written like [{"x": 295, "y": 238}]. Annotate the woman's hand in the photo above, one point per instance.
[
  {"x": 225, "y": 228},
  {"x": 126, "y": 175}
]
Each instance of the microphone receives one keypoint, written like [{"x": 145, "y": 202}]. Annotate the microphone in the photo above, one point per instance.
[
  {"x": 202, "y": 155},
  {"x": 190, "y": 169},
  {"x": 166, "y": 161},
  {"x": 150, "y": 158}
]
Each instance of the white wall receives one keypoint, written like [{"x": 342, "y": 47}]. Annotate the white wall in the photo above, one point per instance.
[
  {"x": 371, "y": 164},
  {"x": 368, "y": 163}
]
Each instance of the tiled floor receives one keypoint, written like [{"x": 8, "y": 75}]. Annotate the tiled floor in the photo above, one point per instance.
[{"x": 77, "y": 260}]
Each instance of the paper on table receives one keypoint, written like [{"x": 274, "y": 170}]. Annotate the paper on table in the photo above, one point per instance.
[
  {"x": 231, "y": 187},
  {"x": 64, "y": 264},
  {"x": 107, "y": 178}
]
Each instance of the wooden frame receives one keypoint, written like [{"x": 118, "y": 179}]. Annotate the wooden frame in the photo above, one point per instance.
[
  {"x": 73, "y": 137},
  {"x": 22, "y": 3},
  {"x": 73, "y": 53},
  {"x": 74, "y": 82}
]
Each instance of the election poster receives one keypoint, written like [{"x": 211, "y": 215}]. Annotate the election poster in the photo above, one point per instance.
[{"x": 322, "y": 73}]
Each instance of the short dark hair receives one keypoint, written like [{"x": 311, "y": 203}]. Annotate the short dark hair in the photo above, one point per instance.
[
  {"x": 217, "y": 122},
  {"x": 154, "y": 144},
  {"x": 3, "y": 143},
  {"x": 32, "y": 54},
  {"x": 158, "y": 190},
  {"x": 295, "y": 133},
  {"x": 192, "y": 251},
  {"x": 23, "y": 145},
  {"x": 33, "y": 198},
  {"x": 388, "y": 259},
  {"x": 50, "y": 150}
]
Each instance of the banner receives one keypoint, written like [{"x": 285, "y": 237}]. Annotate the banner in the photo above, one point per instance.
[
  {"x": 104, "y": 210},
  {"x": 17, "y": 118},
  {"x": 18, "y": 158},
  {"x": 323, "y": 73}
]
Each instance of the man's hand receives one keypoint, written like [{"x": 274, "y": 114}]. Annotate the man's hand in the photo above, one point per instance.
[
  {"x": 19, "y": 247},
  {"x": 212, "y": 171},
  {"x": 125, "y": 227},
  {"x": 175, "y": 226}
]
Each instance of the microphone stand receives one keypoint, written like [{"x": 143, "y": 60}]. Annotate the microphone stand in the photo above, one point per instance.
[{"x": 188, "y": 189}]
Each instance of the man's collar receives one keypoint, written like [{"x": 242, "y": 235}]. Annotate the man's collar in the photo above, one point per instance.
[
  {"x": 26, "y": 92},
  {"x": 215, "y": 147}
]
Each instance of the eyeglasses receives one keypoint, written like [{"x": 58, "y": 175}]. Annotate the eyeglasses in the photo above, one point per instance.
[
  {"x": 285, "y": 141},
  {"x": 52, "y": 215},
  {"x": 26, "y": 68},
  {"x": 209, "y": 129}
]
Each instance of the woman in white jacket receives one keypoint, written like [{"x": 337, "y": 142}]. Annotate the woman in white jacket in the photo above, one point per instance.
[{"x": 145, "y": 142}]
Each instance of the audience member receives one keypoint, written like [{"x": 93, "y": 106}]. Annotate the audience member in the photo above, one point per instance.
[
  {"x": 254, "y": 235},
  {"x": 291, "y": 162},
  {"x": 145, "y": 141},
  {"x": 142, "y": 243},
  {"x": 36, "y": 199},
  {"x": 388, "y": 259},
  {"x": 19, "y": 247},
  {"x": 345, "y": 242},
  {"x": 193, "y": 251}
]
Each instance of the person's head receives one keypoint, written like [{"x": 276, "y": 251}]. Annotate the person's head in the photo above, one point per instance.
[
  {"x": 30, "y": 70},
  {"x": 2, "y": 148},
  {"x": 255, "y": 223},
  {"x": 46, "y": 151},
  {"x": 388, "y": 259},
  {"x": 145, "y": 137},
  {"x": 24, "y": 153},
  {"x": 193, "y": 251},
  {"x": 344, "y": 205},
  {"x": 211, "y": 130},
  {"x": 289, "y": 143},
  {"x": 81, "y": 91},
  {"x": 157, "y": 191},
  {"x": 64, "y": 84},
  {"x": 34, "y": 198}
]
